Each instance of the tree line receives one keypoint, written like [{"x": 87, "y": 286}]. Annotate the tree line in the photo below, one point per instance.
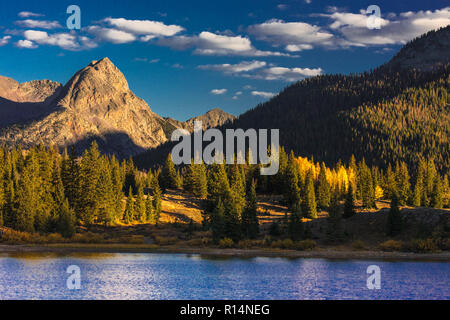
[
  {"x": 42, "y": 190},
  {"x": 229, "y": 191}
]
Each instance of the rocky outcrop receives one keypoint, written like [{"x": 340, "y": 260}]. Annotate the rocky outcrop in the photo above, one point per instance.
[{"x": 95, "y": 104}]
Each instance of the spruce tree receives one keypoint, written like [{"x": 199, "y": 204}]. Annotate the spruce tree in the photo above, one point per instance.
[
  {"x": 217, "y": 221},
  {"x": 157, "y": 201},
  {"x": 200, "y": 188},
  {"x": 323, "y": 188},
  {"x": 437, "y": 194},
  {"x": 291, "y": 185},
  {"x": 250, "y": 226},
  {"x": 349, "y": 205},
  {"x": 334, "y": 222},
  {"x": 169, "y": 176},
  {"x": 149, "y": 211},
  {"x": 140, "y": 209},
  {"x": 309, "y": 199},
  {"x": 66, "y": 224},
  {"x": 129, "y": 208},
  {"x": 394, "y": 219},
  {"x": 419, "y": 187}
]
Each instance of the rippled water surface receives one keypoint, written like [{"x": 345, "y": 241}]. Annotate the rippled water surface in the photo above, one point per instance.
[{"x": 179, "y": 276}]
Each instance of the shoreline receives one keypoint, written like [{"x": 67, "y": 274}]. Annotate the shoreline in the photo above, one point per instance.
[{"x": 321, "y": 253}]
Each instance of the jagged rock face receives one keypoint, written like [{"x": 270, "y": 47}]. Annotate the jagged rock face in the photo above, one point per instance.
[
  {"x": 33, "y": 91},
  {"x": 95, "y": 104},
  {"x": 211, "y": 119}
]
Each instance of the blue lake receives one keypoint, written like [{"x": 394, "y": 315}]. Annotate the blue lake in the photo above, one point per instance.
[{"x": 181, "y": 276}]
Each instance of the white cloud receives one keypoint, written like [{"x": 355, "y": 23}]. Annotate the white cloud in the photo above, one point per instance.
[
  {"x": 298, "y": 47},
  {"x": 26, "y": 44},
  {"x": 282, "y": 7},
  {"x": 30, "y": 23},
  {"x": 395, "y": 29},
  {"x": 207, "y": 43},
  {"x": 219, "y": 91},
  {"x": 144, "y": 27},
  {"x": 27, "y": 14},
  {"x": 244, "y": 66},
  {"x": 287, "y": 74},
  {"x": 261, "y": 70},
  {"x": 66, "y": 41},
  {"x": 4, "y": 40},
  {"x": 308, "y": 1},
  {"x": 263, "y": 94},
  {"x": 111, "y": 35},
  {"x": 295, "y": 35}
]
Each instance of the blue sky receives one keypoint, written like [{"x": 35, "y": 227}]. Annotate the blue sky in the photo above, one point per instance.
[{"x": 187, "y": 57}]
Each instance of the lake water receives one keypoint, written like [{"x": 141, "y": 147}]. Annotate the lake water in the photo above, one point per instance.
[{"x": 180, "y": 276}]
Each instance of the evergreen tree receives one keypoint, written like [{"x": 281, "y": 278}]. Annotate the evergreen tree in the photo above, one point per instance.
[
  {"x": 89, "y": 174},
  {"x": 419, "y": 188},
  {"x": 323, "y": 188},
  {"x": 291, "y": 188},
  {"x": 105, "y": 197},
  {"x": 140, "y": 209},
  {"x": 250, "y": 226},
  {"x": 403, "y": 185},
  {"x": 66, "y": 224},
  {"x": 169, "y": 177},
  {"x": 349, "y": 206},
  {"x": 129, "y": 208},
  {"x": 218, "y": 185},
  {"x": 217, "y": 222},
  {"x": 200, "y": 188},
  {"x": 309, "y": 199},
  {"x": 149, "y": 211},
  {"x": 157, "y": 201},
  {"x": 394, "y": 219},
  {"x": 334, "y": 222},
  {"x": 237, "y": 190},
  {"x": 437, "y": 195}
]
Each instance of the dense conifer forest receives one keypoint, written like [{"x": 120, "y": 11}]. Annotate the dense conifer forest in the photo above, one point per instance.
[{"x": 44, "y": 191}]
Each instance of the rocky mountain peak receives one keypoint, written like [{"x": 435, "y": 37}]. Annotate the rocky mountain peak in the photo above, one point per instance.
[{"x": 97, "y": 88}]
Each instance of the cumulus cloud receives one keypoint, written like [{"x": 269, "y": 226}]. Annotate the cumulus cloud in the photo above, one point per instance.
[
  {"x": 66, "y": 41},
  {"x": 111, "y": 35},
  {"x": 4, "y": 40},
  {"x": 144, "y": 27},
  {"x": 288, "y": 74},
  {"x": 40, "y": 24},
  {"x": 27, "y": 14},
  {"x": 263, "y": 94},
  {"x": 244, "y": 66},
  {"x": 208, "y": 43},
  {"x": 296, "y": 36},
  {"x": 395, "y": 29},
  {"x": 261, "y": 70},
  {"x": 26, "y": 44},
  {"x": 219, "y": 91}
]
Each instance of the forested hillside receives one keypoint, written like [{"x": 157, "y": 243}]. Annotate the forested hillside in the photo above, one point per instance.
[{"x": 397, "y": 112}]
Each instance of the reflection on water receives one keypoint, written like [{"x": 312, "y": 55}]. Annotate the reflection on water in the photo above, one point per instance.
[{"x": 181, "y": 276}]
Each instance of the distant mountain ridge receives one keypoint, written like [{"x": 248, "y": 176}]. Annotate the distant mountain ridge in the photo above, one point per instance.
[{"x": 95, "y": 104}]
